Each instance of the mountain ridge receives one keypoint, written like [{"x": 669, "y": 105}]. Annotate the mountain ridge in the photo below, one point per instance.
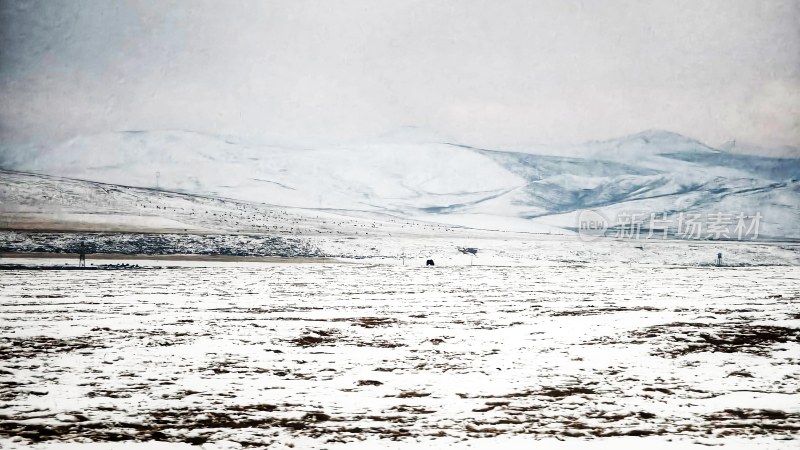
[{"x": 446, "y": 181}]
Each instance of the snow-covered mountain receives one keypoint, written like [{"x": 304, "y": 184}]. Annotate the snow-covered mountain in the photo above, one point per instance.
[{"x": 421, "y": 175}]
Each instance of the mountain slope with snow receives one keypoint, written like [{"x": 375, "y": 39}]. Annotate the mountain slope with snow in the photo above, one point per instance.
[{"x": 425, "y": 176}]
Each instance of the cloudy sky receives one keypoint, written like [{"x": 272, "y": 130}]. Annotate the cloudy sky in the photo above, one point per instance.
[{"x": 485, "y": 72}]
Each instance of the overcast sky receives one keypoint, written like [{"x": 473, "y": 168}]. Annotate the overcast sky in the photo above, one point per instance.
[{"x": 485, "y": 72}]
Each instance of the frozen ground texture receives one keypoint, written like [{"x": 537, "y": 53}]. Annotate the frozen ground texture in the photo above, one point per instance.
[
  {"x": 156, "y": 244},
  {"x": 320, "y": 355}
]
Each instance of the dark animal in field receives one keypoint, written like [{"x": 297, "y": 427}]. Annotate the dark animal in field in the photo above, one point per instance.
[{"x": 429, "y": 262}]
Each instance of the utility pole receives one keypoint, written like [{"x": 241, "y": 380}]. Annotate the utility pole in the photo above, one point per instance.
[{"x": 158, "y": 175}]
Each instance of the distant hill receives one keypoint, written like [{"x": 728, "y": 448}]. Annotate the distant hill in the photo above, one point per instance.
[{"x": 420, "y": 175}]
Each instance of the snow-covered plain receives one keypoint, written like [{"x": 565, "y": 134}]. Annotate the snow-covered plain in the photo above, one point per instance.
[{"x": 317, "y": 355}]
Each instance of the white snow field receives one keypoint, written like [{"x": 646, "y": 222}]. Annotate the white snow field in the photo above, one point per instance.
[
  {"x": 100, "y": 214},
  {"x": 563, "y": 354}
]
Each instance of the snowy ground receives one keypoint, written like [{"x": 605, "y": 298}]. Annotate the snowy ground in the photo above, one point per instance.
[{"x": 575, "y": 353}]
